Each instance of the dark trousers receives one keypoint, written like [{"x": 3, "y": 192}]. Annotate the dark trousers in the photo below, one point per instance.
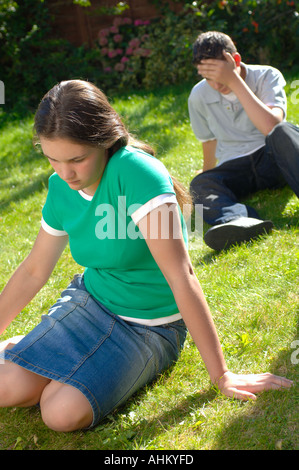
[{"x": 274, "y": 165}]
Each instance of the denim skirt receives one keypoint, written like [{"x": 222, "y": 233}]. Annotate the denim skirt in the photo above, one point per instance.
[{"x": 82, "y": 344}]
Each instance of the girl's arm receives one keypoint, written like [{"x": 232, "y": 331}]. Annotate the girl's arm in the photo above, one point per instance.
[
  {"x": 30, "y": 276},
  {"x": 172, "y": 257}
]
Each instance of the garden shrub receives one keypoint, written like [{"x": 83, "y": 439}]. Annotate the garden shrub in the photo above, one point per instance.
[
  {"x": 265, "y": 31},
  {"x": 141, "y": 53},
  {"x": 31, "y": 60},
  {"x": 23, "y": 26},
  {"x": 123, "y": 51}
]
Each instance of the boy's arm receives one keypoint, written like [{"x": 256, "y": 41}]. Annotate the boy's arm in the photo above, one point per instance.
[
  {"x": 264, "y": 117},
  {"x": 226, "y": 72},
  {"x": 209, "y": 151}
]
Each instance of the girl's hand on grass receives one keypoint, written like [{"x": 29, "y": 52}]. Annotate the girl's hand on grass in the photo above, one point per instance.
[{"x": 244, "y": 387}]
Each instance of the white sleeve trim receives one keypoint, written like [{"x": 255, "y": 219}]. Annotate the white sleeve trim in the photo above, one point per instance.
[
  {"x": 206, "y": 140},
  {"x": 51, "y": 230},
  {"x": 154, "y": 322},
  {"x": 153, "y": 204},
  {"x": 278, "y": 105}
]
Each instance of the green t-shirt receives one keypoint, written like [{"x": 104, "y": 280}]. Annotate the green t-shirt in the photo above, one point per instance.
[{"x": 120, "y": 270}]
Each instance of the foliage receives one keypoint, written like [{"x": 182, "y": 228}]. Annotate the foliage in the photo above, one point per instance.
[
  {"x": 265, "y": 32},
  {"x": 123, "y": 50},
  {"x": 22, "y": 29},
  {"x": 31, "y": 61}
]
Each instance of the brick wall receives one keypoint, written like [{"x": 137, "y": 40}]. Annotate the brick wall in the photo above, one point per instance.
[{"x": 81, "y": 25}]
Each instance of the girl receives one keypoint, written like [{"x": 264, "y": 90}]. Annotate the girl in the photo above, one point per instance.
[{"x": 119, "y": 325}]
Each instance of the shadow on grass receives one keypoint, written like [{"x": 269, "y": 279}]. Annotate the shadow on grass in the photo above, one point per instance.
[
  {"x": 272, "y": 421},
  {"x": 166, "y": 101},
  {"x": 25, "y": 190},
  {"x": 270, "y": 204},
  {"x": 269, "y": 423}
]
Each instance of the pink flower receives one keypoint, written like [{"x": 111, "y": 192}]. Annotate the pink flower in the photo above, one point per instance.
[
  {"x": 129, "y": 51},
  {"x": 127, "y": 21},
  {"x": 104, "y": 32},
  {"x": 118, "y": 38},
  {"x": 141, "y": 22},
  {"x": 146, "y": 52},
  {"x": 103, "y": 41},
  {"x": 112, "y": 53},
  {"x": 114, "y": 29},
  {"x": 119, "y": 67},
  {"x": 124, "y": 60},
  {"x": 104, "y": 50},
  {"x": 140, "y": 51},
  {"x": 134, "y": 42},
  {"x": 107, "y": 69},
  {"x": 119, "y": 51}
]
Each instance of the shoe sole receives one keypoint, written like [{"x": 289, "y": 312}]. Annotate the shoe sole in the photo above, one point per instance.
[{"x": 228, "y": 235}]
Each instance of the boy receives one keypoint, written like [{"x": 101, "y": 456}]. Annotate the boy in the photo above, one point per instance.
[{"x": 238, "y": 112}]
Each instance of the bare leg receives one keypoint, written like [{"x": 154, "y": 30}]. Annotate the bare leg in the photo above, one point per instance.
[
  {"x": 19, "y": 387},
  {"x": 64, "y": 408}
]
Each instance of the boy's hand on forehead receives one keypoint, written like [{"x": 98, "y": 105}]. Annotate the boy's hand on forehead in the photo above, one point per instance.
[{"x": 218, "y": 70}]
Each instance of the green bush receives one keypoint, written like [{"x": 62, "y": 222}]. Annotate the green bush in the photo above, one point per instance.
[
  {"x": 123, "y": 51},
  {"x": 265, "y": 32},
  {"x": 140, "y": 54},
  {"x": 23, "y": 26},
  {"x": 32, "y": 61}
]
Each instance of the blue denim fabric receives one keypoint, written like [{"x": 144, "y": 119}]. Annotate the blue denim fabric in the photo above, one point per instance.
[
  {"x": 219, "y": 190},
  {"x": 82, "y": 344}
]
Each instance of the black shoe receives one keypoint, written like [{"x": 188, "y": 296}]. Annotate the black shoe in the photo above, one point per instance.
[{"x": 236, "y": 231}]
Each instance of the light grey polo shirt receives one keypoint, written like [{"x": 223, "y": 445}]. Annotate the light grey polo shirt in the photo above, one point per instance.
[{"x": 215, "y": 117}]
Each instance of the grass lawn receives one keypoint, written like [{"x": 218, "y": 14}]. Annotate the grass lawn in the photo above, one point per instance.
[{"x": 252, "y": 291}]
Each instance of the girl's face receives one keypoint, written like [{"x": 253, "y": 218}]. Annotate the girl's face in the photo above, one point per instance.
[{"x": 80, "y": 166}]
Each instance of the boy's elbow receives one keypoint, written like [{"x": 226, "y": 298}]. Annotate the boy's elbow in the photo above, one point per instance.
[
  {"x": 277, "y": 116},
  {"x": 269, "y": 127}
]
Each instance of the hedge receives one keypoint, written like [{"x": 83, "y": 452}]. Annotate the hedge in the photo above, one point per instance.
[{"x": 141, "y": 53}]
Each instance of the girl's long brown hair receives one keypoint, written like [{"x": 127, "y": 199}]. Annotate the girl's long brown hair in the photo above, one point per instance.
[{"x": 79, "y": 111}]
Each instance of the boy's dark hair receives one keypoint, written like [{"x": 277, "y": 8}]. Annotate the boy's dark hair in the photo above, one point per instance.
[{"x": 210, "y": 45}]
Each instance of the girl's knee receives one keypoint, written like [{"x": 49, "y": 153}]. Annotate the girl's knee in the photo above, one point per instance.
[
  {"x": 19, "y": 387},
  {"x": 64, "y": 408}
]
